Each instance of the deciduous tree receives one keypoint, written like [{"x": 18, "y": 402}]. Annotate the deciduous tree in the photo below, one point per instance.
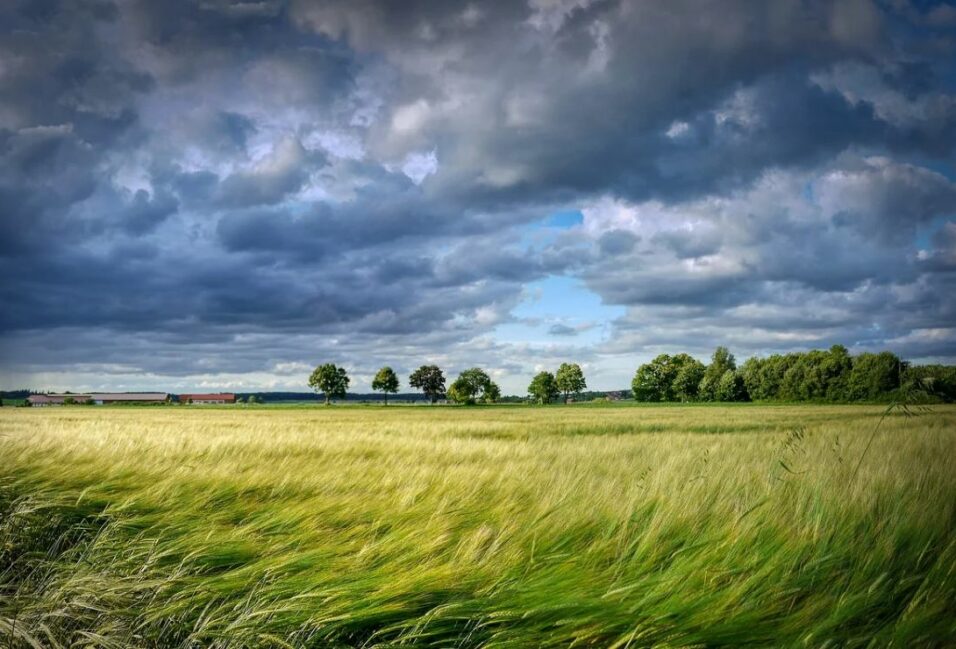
[
  {"x": 720, "y": 362},
  {"x": 473, "y": 385},
  {"x": 430, "y": 380},
  {"x": 687, "y": 377},
  {"x": 385, "y": 381},
  {"x": 331, "y": 380},
  {"x": 570, "y": 379},
  {"x": 543, "y": 387}
]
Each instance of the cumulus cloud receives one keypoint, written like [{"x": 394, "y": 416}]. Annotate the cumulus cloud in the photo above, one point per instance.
[{"x": 201, "y": 190}]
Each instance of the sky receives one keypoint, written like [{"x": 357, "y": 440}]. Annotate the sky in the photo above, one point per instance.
[{"x": 221, "y": 195}]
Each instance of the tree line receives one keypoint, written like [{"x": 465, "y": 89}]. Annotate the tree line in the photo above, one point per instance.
[
  {"x": 817, "y": 375},
  {"x": 472, "y": 386}
]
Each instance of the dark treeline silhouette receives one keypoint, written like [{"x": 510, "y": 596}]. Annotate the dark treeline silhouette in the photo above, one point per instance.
[{"x": 818, "y": 375}]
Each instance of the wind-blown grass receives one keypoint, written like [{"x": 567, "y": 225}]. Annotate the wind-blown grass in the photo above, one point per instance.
[{"x": 506, "y": 527}]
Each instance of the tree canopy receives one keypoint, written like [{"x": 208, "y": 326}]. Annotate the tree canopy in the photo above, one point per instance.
[
  {"x": 331, "y": 380},
  {"x": 668, "y": 378},
  {"x": 430, "y": 380},
  {"x": 543, "y": 388},
  {"x": 474, "y": 385},
  {"x": 570, "y": 379},
  {"x": 385, "y": 381}
]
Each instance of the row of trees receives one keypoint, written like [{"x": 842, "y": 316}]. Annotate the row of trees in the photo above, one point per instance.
[
  {"x": 817, "y": 375},
  {"x": 472, "y": 386},
  {"x": 547, "y": 387},
  {"x": 684, "y": 378}
]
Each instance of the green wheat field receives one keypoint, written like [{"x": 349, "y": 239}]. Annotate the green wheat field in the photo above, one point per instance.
[{"x": 577, "y": 526}]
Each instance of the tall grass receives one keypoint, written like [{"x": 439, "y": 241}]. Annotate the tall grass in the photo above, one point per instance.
[{"x": 505, "y": 527}]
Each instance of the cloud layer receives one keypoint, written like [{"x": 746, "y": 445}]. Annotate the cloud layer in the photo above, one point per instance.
[{"x": 222, "y": 194}]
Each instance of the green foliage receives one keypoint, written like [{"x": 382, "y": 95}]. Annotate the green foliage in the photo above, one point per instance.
[
  {"x": 668, "y": 378},
  {"x": 816, "y": 375},
  {"x": 652, "y": 380},
  {"x": 570, "y": 379},
  {"x": 831, "y": 375},
  {"x": 875, "y": 375},
  {"x": 331, "y": 380},
  {"x": 690, "y": 372},
  {"x": 721, "y": 361},
  {"x": 430, "y": 380},
  {"x": 937, "y": 382},
  {"x": 543, "y": 388},
  {"x": 385, "y": 381},
  {"x": 730, "y": 387},
  {"x": 473, "y": 385}
]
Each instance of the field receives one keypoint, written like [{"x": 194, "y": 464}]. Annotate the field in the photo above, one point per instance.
[{"x": 466, "y": 527}]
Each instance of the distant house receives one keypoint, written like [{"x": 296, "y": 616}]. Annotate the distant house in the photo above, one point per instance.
[
  {"x": 224, "y": 397},
  {"x": 97, "y": 398}
]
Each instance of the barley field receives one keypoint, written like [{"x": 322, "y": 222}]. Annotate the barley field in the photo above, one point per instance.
[{"x": 584, "y": 526}]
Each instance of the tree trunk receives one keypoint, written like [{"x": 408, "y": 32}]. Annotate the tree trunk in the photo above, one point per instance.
[
  {"x": 386, "y": 398},
  {"x": 328, "y": 401}
]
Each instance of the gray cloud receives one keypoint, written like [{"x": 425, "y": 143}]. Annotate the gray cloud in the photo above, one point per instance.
[{"x": 255, "y": 181}]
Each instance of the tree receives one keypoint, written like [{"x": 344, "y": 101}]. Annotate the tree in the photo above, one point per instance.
[
  {"x": 720, "y": 362},
  {"x": 651, "y": 382},
  {"x": 874, "y": 375},
  {"x": 430, "y": 380},
  {"x": 570, "y": 379},
  {"x": 471, "y": 385},
  {"x": 385, "y": 381},
  {"x": 543, "y": 387},
  {"x": 730, "y": 387},
  {"x": 934, "y": 381},
  {"x": 836, "y": 370},
  {"x": 668, "y": 378},
  {"x": 330, "y": 380},
  {"x": 687, "y": 377}
]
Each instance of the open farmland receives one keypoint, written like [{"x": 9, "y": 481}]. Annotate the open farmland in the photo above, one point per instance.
[{"x": 492, "y": 526}]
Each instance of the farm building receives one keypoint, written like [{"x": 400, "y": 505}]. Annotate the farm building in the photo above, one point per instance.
[
  {"x": 39, "y": 400},
  {"x": 224, "y": 397},
  {"x": 97, "y": 398}
]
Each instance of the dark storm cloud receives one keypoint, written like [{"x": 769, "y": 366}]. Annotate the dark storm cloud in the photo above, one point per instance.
[{"x": 262, "y": 175}]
